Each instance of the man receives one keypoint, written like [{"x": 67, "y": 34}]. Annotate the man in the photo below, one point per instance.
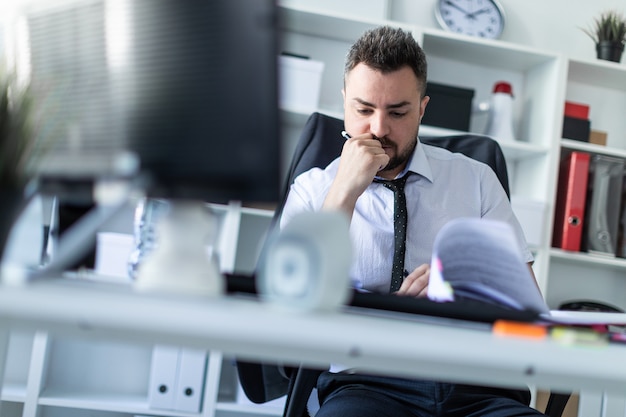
[{"x": 384, "y": 101}]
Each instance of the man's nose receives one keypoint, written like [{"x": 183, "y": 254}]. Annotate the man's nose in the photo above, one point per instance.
[{"x": 379, "y": 125}]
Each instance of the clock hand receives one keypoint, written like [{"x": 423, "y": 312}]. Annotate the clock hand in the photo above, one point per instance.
[
  {"x": 456, "y": 6},
  {"x": 474, "y": 14}
]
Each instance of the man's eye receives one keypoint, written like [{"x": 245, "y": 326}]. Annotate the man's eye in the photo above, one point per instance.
[
  {"x": 398, "y": 114},
  {"x": 364, "y": 111}
]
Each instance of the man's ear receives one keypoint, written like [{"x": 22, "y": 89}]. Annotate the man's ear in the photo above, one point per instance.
[{"x": 423, "y": 104}]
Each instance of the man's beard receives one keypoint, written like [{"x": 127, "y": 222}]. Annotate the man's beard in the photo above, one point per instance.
[{"x": 400, "y": 158}]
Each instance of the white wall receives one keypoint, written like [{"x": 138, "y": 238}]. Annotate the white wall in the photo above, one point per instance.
[{"x": 552, "y": 25}]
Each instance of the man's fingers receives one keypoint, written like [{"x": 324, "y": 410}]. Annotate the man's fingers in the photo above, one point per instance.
[{"x": 416, "y": 283}]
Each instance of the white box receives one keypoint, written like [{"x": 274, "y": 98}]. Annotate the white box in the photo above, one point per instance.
[
  {"x": 532, "y": 216},
  {"x": 112, "y": 254},
  {"x": 300, "y": 83}
]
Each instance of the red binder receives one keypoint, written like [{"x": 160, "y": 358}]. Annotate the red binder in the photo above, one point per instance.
[{"x": 570, "y": 203}]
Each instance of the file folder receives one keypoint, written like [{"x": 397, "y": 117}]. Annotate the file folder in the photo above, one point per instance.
[
  {"x": 604, "y": 199},
  {"x": 190, "y": 381},
  {"x": 570, "y": 207},
  {"x": 163, "y": 377}
]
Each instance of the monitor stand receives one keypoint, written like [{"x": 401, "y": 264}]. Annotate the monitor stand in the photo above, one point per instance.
[{"x": 182, "y": 261}]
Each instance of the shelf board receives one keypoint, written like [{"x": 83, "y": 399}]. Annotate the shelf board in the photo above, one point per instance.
[
  {"x": 587, "y": 259},
  {"x": 592, "y": 148},
  {"x": 600, "y": 73},
  {"x": 484, "y": 52},
  {"x": 512, "y": 150},
  {"x": 113, "y": 402},
  {"x": 13, "y": 392},
  {"x": 309, "y": 21}
]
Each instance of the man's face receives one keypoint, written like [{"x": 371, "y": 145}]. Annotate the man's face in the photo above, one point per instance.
[{"x": 387, "y": 105}]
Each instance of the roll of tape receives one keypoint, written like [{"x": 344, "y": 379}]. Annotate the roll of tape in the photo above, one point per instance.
[{"x": 306, "y": 265}]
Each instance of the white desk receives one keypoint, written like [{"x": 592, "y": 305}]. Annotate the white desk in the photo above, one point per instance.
[{"x": 250, "y": 329}]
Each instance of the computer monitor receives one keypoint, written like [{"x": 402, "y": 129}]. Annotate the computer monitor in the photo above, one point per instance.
[
  {"x": 188, "y": 86},
  {"x": 204, "y": 116}
]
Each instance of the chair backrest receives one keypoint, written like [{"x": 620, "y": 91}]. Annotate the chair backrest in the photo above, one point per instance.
[{"x": 321, "y": 142}]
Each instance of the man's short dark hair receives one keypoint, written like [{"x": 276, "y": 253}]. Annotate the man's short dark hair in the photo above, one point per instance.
[{"x": 388, "y": 49}]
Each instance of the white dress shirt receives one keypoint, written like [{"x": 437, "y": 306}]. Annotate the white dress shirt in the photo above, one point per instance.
[{"x": 443, "y": 186}]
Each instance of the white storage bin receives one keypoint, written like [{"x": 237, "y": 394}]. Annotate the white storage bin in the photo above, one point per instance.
[{"x": 300, "y": 82}]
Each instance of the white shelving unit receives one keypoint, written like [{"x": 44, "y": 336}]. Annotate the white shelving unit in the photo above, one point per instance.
[
  {"x": 53, "y": 377},
  {"x": 582, "y": 276}
]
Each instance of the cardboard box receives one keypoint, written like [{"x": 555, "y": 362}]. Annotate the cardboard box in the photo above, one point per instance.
[
  {"x": 300, "y": 83},
  {"x": 449, "y": 107},
  {"x": 597, "y": 137}
]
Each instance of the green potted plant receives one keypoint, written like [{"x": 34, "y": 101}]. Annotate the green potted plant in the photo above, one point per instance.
[
  {"x": 17, "y": 150},
  {"x": 609, "y": 33},
  {"x": 16, "y": 138}
]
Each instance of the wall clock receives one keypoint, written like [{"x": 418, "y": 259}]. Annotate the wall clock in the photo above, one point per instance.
[{"x": 481, "y": 18}]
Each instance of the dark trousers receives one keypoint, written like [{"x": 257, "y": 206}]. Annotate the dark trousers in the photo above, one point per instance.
[{"x": 347, "y": 395}]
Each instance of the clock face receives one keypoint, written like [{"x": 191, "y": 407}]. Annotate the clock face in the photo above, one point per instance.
[{"x": 481, "y": 18}]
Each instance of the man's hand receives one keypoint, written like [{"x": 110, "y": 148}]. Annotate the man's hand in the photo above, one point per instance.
[
  {"x": 361, "y": 158},
  {"x": 416, "y": 283}
]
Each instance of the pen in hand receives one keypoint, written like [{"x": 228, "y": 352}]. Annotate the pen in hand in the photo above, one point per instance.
[{"x": 347, "y": 136}]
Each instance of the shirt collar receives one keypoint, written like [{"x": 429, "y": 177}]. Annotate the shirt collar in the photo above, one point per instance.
[{"x": 419, "y": 163}]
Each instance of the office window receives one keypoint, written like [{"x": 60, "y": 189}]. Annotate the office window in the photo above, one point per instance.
[{"x": 68, "y": 64}]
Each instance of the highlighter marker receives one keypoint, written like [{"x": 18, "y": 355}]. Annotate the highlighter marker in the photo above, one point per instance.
[{"x": 519, "y": 329}]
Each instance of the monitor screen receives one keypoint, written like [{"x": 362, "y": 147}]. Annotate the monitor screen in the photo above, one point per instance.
[{"x": 187, "y": 86}]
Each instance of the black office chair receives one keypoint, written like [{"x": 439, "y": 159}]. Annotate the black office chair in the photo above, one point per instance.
[{"x": 319, "y": 144}]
